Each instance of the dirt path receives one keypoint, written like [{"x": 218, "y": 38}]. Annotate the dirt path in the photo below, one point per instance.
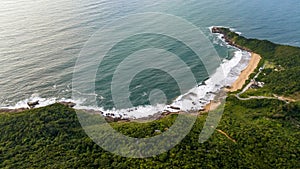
[
  {"x": 226, "y": 135},
  {"x": 276, "y": 97}
]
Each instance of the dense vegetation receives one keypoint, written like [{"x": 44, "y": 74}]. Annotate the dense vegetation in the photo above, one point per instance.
[
  {"x": 283, "y": 77},
  {"x": 262, "y": 133},
  {"x": 267, "y": 135}
]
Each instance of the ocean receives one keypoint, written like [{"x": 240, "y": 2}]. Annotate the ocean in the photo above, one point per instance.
[{"x": 40, "y": 42}]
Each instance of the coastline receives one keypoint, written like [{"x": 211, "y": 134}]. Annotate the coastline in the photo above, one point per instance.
[
  {"x": 238, "y": 83},
  {"x": 251, "y": 66},
  {"x": 206, "y": 107},
  {"x": 244, "y": 76},
  {"x": 210, "y": 106}
]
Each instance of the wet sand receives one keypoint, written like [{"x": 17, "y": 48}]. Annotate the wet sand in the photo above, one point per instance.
[{"x": 244, "y": 76}]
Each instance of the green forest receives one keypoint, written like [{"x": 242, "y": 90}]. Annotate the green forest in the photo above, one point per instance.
[
  {"x": 262, "y": 133},
  {"x": 282, "y": 77}
]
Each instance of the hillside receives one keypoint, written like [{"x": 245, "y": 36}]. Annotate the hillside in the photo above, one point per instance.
[
  {"x": 282, "y": 63},
  {"x": 254, "y": 133}
]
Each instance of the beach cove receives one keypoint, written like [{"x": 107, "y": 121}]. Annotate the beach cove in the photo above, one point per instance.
[{"x": 162, "y": 110}]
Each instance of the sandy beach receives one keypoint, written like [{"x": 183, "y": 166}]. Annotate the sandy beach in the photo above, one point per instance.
[
  {"x": 238, "y": 84},
  {"x": 253, "y": 63},
  {"x": 211, "y": 106}
]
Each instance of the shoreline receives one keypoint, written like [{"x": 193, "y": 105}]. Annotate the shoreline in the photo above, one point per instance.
[
  {"x": 245, "y": 74},
  {"x": 210, "y": 106},
  {"x": 252, "y": 65},
  {"x": 236, "y": 85}
]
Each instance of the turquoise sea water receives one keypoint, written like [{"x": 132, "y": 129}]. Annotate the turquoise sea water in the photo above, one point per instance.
[{"x": 41, "y": 40}]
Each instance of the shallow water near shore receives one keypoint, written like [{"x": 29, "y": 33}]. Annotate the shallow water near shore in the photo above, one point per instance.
[{"x": 40, "y": 40}]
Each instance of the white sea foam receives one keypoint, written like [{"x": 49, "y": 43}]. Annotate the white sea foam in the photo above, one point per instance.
[
  {"x": 218, "y": 38},
  {"x": 195, "y": 99},
  {"x": 234, "y": 30},
  {"x": 225, "y": 75},
  {"x": 42, "y": 102},
  {"x": 35, "y": 97}
]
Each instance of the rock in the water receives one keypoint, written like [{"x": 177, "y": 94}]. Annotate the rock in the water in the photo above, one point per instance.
[
  {"x": 33, "y": 104},
  {"x": 175, "y": 108}
]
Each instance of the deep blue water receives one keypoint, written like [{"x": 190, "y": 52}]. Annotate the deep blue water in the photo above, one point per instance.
[{"x": 41, "y": 40}]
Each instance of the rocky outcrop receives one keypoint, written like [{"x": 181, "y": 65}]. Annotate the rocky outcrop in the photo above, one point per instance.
[
  {"x": 218, "y": 30},
  {"x": 13, "y": 110},
  {"x": 33, "y": 104},
  {"x": 174, "y": 108},
  {"x": 110, "y": 119},
  {"x": 225, "y": 32},
  {"x": 68, "y": 104}
]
